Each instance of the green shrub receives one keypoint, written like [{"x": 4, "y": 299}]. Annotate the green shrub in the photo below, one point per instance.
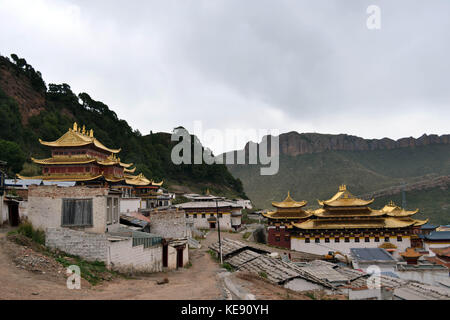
[{"x": 37, "y": 235}]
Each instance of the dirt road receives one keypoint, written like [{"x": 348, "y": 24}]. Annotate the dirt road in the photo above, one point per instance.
[{"x": 200, "y": 281}]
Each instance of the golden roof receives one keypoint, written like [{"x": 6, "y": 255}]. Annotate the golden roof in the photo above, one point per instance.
[
  {"x": 368, "y": 212},
  {"x": 343, "y": 198},
  {"x": 129, "y": 170},
  {"x": 391, "y": 209},
  {"x": 289, "y": 203},
  {"x": 64, "y": 177},
  {"x": 64, "y": 160},
  {"x": 356, "y": 223},
  {"x": 300, "y": 214},
  {"x": 77, "y": 137}
]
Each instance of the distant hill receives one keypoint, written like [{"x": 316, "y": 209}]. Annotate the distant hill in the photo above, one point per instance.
[
  {"x": 29, "y": 109},
  {"x": 313, "y": 165}
]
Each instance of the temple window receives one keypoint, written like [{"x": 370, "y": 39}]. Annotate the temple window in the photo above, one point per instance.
[
  {"x": 377, "y": 239},
  {"x": 317, "y": 240},
  {"x": 195, "y": 216},
  {"x": 286, "y": 238},
  {"x": 356, "y": 239},
  {"x": 367, "y": 239},
  {"x": 203, "y": 215},
  {"x": 88, "y": 169},
  {"x": 346, "y": 239},
  {"x": 386, "y": 239},
  {"x": 336, "y": 239},
  {"x": 399, "y": 238},
  {"x": 187, "y": 215},
  {"x": 211, "y": 215},
  {"x": 277, "y": 239},
  {"x": 307, "y": 240},
  {"x": 220, "y": 215},
  {"x": 327, "y": 240}
]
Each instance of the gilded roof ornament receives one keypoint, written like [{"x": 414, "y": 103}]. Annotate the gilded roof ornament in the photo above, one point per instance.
[
  {"x": 75, "y": 126},
  {"x": 84, "y": 130}
]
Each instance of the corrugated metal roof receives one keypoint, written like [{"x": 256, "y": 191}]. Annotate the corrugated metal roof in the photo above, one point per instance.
[
  {"x": 438, "y": 235},
  {"x": 371, "y": 254}
]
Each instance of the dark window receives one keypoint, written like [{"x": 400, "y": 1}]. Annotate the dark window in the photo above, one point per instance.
[
  {"x": 327, "y": 240},
  {"x": 286, "y": 238},
  {"x": 386, "y": 239},
  {"x": 203, "y": 215},
  {"x": 46, "y": 170},
  {"x": 211, "y": 215},
  {"x": 88, "y": 169},
  {"x": 347, "y": 240},
  {"x": 277, "y": 239},
  {"x": 317, "y": 240},
  {"x": 367, "y": 239},
  {"x": 356, "y": 239},
  {"x": 195, "y": 216},
  {"x": 336, "y": 239},
  {"x": 307, "y": 240},
  {"x": 187, "y": 215},
  {"x": 399, "y": 238},
  {"x": 377, "y": 239},
  {"x": 220, "y": 215},
  {"x": 77, "y": 212}
]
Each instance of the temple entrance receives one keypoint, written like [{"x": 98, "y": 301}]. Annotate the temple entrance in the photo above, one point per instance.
[{"x": 212, "y": 225}]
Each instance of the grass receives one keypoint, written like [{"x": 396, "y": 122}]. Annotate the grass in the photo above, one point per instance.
[
  {"x": 227, "y": 266},
  {"x": 246, "y": 235},
  {"x": 262, "y": 274},
  {"x": 26, "y": 229},
  {"x": 310, "y": 295}
]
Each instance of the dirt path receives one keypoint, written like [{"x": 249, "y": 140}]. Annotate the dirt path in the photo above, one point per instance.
[{"x": 200, "y": 281}]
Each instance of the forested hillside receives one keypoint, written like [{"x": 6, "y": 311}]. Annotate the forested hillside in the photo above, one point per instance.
[{"x": 29, "y": 110}]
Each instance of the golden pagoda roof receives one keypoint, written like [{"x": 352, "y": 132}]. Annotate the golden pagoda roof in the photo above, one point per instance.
[
  {"x": 77, "y": 137},
  {"x": 63, "y": 177},
  {"x": 289, "y": 203},
  {"x": 368, "y": 212},
  {"x": 391, "y": 209},
  {"x": 64, "y": 160},
  {"x": 357, "y": 223},
  {"x": 139, "y": 180},
  {"x": 129, "y": 170},
  {"x": 343, "y": 198},
  {"x": 287, "y": 214}
]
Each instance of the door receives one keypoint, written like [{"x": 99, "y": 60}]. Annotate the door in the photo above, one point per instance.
[
  {"x": 179, "y": 257},
  {"x": 13, "y": 209},
  {"x": 165, "y": 255},
  {"x": 212, "y": 225}
]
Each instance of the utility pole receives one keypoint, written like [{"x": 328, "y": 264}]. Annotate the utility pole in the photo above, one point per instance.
[{"x": 218, "y": 229}]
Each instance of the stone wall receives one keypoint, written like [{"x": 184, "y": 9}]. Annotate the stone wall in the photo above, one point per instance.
[
  {"x": 169, "y": 223},
  {"x": 89, "y": 246}
]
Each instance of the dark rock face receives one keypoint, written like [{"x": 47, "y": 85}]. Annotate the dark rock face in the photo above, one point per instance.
[{"x": 293, "y": 143}]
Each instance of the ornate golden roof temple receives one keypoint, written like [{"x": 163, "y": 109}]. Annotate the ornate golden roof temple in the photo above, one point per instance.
[
  {"x": 78, "y": 156},
  {"x": 287, "y": 210},
  {"x": 345, "y": 211}
]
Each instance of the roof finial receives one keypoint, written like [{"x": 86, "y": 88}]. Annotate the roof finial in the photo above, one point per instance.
[
  {"x": 342, "y": 187},
  {"x": 91, "y": 133},
  {"x": 75, "y": 126},
  {"x": 84, "y": 129}
]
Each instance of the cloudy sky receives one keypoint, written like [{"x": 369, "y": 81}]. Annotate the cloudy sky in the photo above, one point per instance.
[{"x": 308, "y": 66}]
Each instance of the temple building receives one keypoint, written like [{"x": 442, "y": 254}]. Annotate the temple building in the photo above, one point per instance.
[
  {"x": 280, "y": 221},
  {"x": 344, "y": 222},
  {"x": 78, "y": 156}
]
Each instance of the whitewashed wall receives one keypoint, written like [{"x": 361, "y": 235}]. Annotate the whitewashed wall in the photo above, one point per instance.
[
  {"x": 128, "y": 205},
  {"x": 298, "y": 244},
  {"x": 429, "y": 245},
  {"x": 202, "y": 223}
]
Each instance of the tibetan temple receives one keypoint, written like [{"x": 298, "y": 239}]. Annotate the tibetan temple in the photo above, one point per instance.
[
  {"x": 341, "y": 223},
  {"x": 78, "y": 156}
]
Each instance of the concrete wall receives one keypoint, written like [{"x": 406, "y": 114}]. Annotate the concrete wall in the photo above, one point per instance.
[
  {"x": 299, "y": 244},
  {"x": 432, "y": 277},
  {"x": 119, "y": 255},
  {"x": 45, "y": 206},
  {"x": 128, "y": 205},
  {"x": 202, "y": 223},
  {"x": 124, "y": 257},
  {"x": 169, "y": 224},
  {"x": 299, "y": 284},
  {"x": 429, "y": 245}
]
